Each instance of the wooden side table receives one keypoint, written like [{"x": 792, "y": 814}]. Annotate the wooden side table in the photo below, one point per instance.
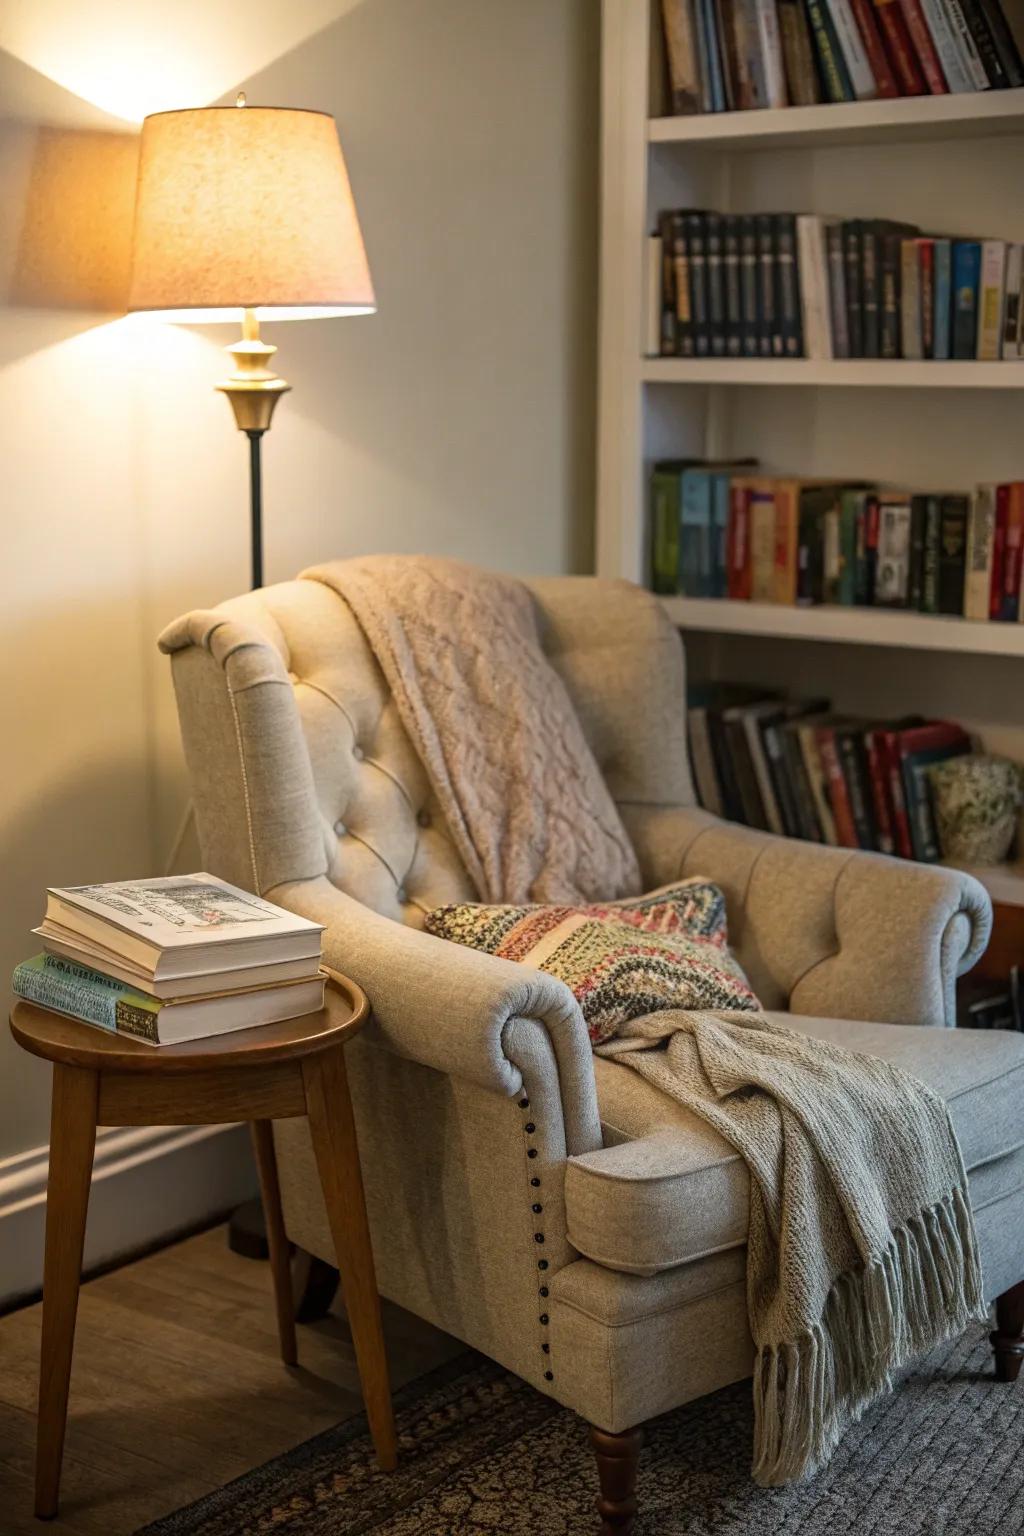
[{"x": 258, "y": 1075}]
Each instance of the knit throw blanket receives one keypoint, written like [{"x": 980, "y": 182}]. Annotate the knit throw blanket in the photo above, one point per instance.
[
  {"x": 493, "y": 726},
  {"x": 861, "y": 1251}
]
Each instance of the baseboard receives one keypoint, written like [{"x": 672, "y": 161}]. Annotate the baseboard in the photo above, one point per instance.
[{"x": 148, "y": 1183}]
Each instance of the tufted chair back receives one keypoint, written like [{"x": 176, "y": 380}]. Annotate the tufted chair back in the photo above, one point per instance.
[{"x": 302, "y": 767}]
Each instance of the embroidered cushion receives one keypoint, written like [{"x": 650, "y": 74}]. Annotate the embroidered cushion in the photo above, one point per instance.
[{"x": 622, "y": 959}]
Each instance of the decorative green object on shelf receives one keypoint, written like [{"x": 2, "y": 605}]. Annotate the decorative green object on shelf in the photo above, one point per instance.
[{"x": 976, "y": 801}]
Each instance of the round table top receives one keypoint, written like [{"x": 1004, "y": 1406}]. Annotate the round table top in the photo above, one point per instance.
[{"x": 57, "y": 1037}]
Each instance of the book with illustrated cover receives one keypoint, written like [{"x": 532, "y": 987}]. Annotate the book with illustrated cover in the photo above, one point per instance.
[{"x": 180, "y": 924}]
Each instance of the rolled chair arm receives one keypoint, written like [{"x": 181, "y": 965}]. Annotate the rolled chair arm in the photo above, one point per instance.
[
  {"x": 826, "y": 931},
  {"x": 450, "y": 1007}
]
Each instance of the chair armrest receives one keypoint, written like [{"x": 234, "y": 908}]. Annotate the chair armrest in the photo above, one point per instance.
[
  {"x": 826, "y": 931},
  {"x": 453, "y": 1008}
]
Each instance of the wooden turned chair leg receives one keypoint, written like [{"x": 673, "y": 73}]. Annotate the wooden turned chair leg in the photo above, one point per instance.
[
  {"x": 618, "y": 1458},
  {"x": 1008, "y": 1339}
]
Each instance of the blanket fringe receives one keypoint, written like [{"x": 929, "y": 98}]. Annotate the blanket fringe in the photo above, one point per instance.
[{"x": 924, "y": 1288}]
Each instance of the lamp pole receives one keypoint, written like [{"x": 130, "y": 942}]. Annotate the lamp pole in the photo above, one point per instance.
[{"x": 254, "y": 390}]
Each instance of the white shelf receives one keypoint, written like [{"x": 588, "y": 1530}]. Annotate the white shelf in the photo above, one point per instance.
[
  {"x": 837, "y": 373},
  {"x": 971, "y": 115},
  {"x": 850, "y": 626}
]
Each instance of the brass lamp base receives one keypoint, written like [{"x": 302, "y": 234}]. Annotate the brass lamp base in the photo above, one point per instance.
[{"x": 254, "y": 390}]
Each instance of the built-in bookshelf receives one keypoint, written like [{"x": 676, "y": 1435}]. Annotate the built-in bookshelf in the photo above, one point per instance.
[{"x": 947, "y": 163}]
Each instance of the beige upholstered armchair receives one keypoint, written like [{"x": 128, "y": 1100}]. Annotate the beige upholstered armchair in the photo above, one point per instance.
[{"x": 553, "y": 1210}]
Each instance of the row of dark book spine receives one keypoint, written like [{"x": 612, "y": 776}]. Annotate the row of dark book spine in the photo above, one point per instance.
[
  {"x": 793, "y": 768},
  {"x": 789, "y": 285},
  {"x": 725, "y": 531},
  {"x": 735, "y": 55}
]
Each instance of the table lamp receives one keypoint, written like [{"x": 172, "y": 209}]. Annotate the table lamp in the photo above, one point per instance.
[{"x": 246, "y": 213}]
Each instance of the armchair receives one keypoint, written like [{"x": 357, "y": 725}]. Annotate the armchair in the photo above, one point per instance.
[{"x": 552, "y": 1209}]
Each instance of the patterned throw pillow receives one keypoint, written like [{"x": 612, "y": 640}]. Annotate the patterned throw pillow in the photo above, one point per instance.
[{"x": 621, "y": 959}]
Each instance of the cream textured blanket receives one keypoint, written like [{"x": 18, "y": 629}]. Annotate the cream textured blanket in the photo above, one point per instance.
[
  {"x": 493, "y": 725},
  {"x": 861, "y": 1251}
]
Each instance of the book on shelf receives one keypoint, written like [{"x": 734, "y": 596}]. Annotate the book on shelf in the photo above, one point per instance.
[
  {"x": 172, "y": 959},
  {"x": 727, "y": 530},
  {"x": 790, "y": 285},
  {"x": 741, "y": 55},
  {"x": 792, "y": 767}
]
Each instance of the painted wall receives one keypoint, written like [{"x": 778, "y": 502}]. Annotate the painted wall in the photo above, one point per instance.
[{"x": 459, "y": 419}]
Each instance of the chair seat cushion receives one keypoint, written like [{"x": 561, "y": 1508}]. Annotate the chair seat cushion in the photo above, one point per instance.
[{"x": 666, "y": 1189}]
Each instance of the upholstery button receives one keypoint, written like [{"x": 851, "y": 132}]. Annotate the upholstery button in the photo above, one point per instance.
[
  {"x": 549, "y": 1375},
  {"x": 543, "y": 1319},
  {"x": 402, "y": 894},
  {"x": 524, "y": 1103},
  {"x": 529, "y": 1127},
  {"x": 358, "y": 754},
  {"x": 542, "y": 1263},
  {"x": 531, "y": 1152},
  {"x": 423, "y": 818},
  {"x": 546, "y": 1349},
  {"x": 535, "y": 1183},
  {"x": 536, "y": 1209},
  {"x": 538, "y": 1237},
  {"x": 340, "y": 828},
  {"x": 544, "y": 1291}
]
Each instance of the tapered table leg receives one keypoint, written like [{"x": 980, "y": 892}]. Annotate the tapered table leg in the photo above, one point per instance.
[
  {"x": 277, "y": 1242},
  {"x": 72, "y": 1144},
  {"x": 334, "y": 1140}
]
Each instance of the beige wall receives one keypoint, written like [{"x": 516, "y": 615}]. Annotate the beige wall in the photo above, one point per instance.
[{"x": 459, "y": 419}]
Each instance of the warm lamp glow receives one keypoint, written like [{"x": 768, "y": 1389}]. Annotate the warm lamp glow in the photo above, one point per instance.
[{"x": 246, "y": 209}]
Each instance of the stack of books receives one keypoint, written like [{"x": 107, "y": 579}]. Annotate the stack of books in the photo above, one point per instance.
[
  {"x": 734, "y": 55},
  {"x": 791, "y": 767},
  {"x": 173, "y": 959},
  {"x": 791, "y": 285},
  {"x": 719, "y": 530}
]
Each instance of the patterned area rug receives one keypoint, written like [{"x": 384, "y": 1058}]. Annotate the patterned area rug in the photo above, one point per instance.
[{"x": 483, "y": 1454}]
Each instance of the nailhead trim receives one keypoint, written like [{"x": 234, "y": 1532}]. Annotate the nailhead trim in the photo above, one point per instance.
[{"x": 529, "y": 1129}]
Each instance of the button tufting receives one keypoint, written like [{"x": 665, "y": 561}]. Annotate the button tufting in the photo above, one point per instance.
[
  {"x": 542, "y": 1263},
  {"x": 423, "y": 818},
  {"x": 531, "y": 1152},
  {"x": 549, "y": 1375},
  {"x": 529, "y": 1127},
  {"x": 401, "y": 894},
  {"x": 544, "y": 1291},
  {"x": 536, "y": 1209},
  {"x": 543, "y": 1319},
  {"x": 535, "y": 1183},
  {"x": 358, "y": 754},
  {"x": 538, "y": 1237},
  {"x": 340, "y": 828},
  {"x": 546, "y": 1349},
  {"x": 524, "y": 1103}
]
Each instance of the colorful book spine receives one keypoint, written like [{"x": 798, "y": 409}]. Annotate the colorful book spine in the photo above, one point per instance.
[
  {"x": 901, "y": 50},
  {"x": 942, "y": 260},
  {"x": 738, "y": 542},
  {"x": 664, "y": 532},
  {"x": 853, "y": 50},
  {"x": 798, "y": 54},
  {"x": 1002, "y": 517},
  {"x": 681, "y": 46},
  {"x": 911, "y": 331},
  {"x": 991, "y": 285},
  {"x": 882, "y": 70},
  {"x": 835, "y": 76},
  {"x": 1009, "y": 608},
  {"x": 84, "y": 994},
  {"x": 695, "y": 534},
  {"x": 924, "y": 47},
  {"x": 966, "y": 286},
  {"x": 944, "y": 39},
  {"x": 980, "y": 544}
]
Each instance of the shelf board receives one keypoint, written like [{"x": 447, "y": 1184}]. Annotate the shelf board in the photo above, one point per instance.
[
  {"x": 1004, "y": 882},
  {"x": 850, "y": 626},
  {"x": 973, "y": 114},
  {"x": 836, "y": 373}
]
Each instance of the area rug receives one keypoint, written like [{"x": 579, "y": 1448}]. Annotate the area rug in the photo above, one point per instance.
[{"x": 482, "y": 1454}]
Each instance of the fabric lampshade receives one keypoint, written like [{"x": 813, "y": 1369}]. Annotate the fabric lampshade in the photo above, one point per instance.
[{"x": 246, "y": 208}]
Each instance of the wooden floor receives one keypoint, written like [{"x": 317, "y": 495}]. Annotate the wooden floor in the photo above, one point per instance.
[{"x": 177, "y": 1387}]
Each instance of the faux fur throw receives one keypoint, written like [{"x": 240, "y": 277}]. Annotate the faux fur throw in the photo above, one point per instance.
[
  {"x": 862, "y": 1250},
  {"x": 494, "y": 727}
]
